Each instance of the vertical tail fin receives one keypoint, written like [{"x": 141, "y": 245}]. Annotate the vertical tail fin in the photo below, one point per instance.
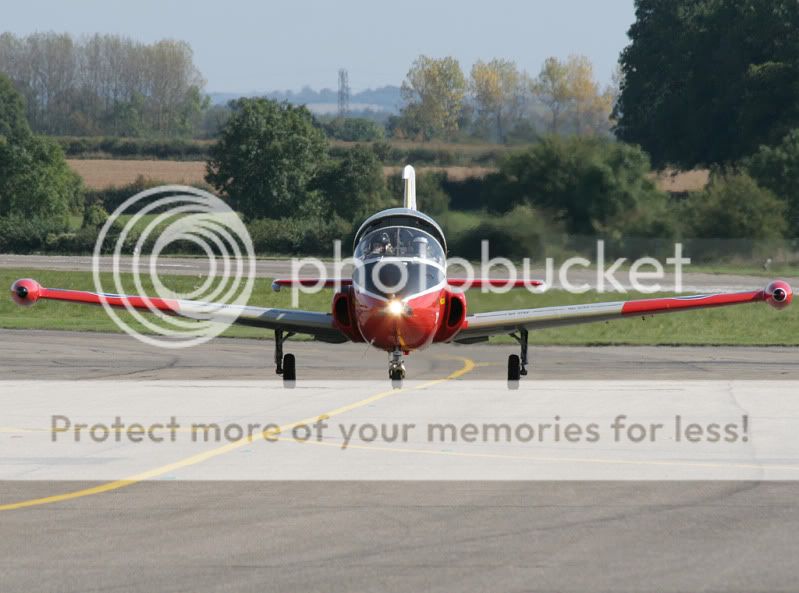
[{"x": 409, "y": 175}]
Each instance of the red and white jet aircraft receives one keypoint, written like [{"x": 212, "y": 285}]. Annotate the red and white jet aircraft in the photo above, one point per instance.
[{"x": 399, "y": 299}]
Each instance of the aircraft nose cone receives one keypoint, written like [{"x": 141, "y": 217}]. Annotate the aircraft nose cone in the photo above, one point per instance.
[{"x": 398, "y": 324}]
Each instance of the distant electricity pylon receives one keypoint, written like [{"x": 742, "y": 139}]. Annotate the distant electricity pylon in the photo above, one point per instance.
[{"x": 343, "y": 93}]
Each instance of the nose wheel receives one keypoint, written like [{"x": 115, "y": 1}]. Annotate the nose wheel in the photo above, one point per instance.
[
  {"x": 285, "y": 364},
  {"x": 517, "y": 363},
  {"x": 396, "y": 367}
]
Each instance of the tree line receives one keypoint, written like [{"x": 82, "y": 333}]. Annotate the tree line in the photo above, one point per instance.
[
  {"x": 105, "y": 84},
  {"x": 498, "y": 101},
  {"x": 273, "y": 165},
  {"x": 112, "y": 85}
]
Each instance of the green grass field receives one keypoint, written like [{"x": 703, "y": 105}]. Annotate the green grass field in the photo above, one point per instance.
[
  {"x": 756, "y": 324},
  {"x": 776, "y": 270}
]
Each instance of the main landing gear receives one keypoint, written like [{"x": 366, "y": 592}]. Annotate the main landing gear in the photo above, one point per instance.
[
  {"x": 396, "y": 368},
  {"x": 284, "y": 363},
  {"x": 517, "y": 364}
]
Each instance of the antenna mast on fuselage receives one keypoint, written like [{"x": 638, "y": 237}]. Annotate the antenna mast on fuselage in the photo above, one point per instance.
[{"x": 406, "y": 216}]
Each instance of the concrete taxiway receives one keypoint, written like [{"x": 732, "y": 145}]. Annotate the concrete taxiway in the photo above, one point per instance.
[
  {"x": 393, "y": 536},
  {"x": 26, "y": 354}
]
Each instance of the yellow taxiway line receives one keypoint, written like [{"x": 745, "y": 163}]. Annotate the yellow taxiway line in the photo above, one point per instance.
[{"x": 468, "y": 366}]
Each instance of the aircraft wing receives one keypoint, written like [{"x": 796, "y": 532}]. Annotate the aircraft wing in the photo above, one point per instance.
[
  {"x": 480, "y": 326},
  {"x": 337, "y": 283},
  {"x": 319, "y": 325},
  {"x": 495, "y": 282}
]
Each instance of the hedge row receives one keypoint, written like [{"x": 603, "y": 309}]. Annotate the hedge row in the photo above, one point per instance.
[
  {"x": 268, "y": 236},
  {"x": 393, "y": 154},
  {"x": 197, "y": 150},
  {"x": 517, "y": 235},
  {"x": 134, "y": 148}
]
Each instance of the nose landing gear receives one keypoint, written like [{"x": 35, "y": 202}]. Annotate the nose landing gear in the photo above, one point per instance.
[
  {"x": 396, "y": 368},
  {"x": 517, "y": 364}
]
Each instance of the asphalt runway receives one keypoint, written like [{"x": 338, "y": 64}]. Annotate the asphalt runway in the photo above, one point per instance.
[
  {"x": 394, "y": 536},
  {"x": 58, "y": 355}
]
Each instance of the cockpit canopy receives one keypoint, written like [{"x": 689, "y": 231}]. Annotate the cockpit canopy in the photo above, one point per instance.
[
  {"x": 398, "y": 262},
  {"x": 399, "y": 241},
  {"x": 401, "y": 217}
]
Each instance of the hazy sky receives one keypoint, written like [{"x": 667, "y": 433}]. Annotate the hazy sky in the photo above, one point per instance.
[{"x": 245, "y": 46}]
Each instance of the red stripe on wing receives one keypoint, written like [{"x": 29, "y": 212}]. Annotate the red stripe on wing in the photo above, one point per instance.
[
  {"x": 659, "y": 305},
  {"x": 114, "y": 300},
  {"x": 329, "y": 283},
  {"x": 498, "y": 282}
]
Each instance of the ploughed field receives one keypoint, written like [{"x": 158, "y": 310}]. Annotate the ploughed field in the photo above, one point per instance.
[{"x": 102, "y": 173}]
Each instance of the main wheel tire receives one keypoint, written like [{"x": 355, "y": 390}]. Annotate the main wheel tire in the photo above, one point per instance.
[
  {"x": 514, "y": 368},
  {"x": 289, "y": 368}
]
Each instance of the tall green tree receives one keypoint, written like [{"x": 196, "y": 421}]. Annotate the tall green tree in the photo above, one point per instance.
[
  {"x": 498, "y": 94},
  {"x": 593, "y": 185},
  {"x": 733, "y": 206},
  {"x": 35, "y": 181},
  {"x": 777, "y": 169},
  {"x": 13, "y": 123},
  {"x": 355, "y": 186},
  {"x": 553, "y": 90},
  {"x": 568, "y": 89},
  {"x": 708, "y": 81},
  {"x": 433, "y": 92},
  {"x": 266, "y": 157}
]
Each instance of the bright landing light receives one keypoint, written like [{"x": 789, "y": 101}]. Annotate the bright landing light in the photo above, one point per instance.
[{"x": 395, "y": 308}]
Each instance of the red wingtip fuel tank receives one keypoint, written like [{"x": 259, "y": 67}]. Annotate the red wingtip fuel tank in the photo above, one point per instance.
[
  {"x": 26, "y": 292},
  {"x": 778, "y": 294}
]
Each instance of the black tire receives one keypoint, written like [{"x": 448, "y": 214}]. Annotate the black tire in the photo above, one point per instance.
[
  {"x": 289, "y": 368},
  {"x": 514, "y": 368}
]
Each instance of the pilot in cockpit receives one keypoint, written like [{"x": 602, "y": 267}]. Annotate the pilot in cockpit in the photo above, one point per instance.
[{"x": 382, "y": 246}]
